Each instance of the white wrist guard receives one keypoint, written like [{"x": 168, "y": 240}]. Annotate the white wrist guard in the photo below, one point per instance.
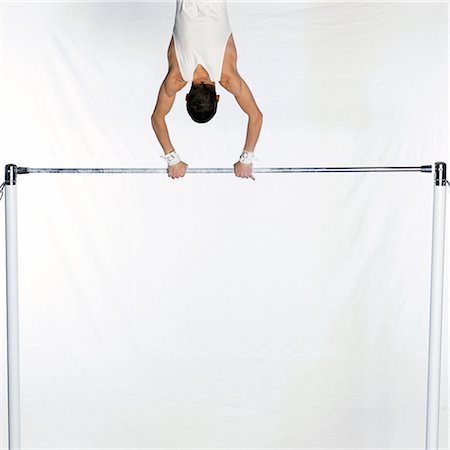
[
  {"x": 247, "y": 157},
  {"x": 172, "y": 158}
]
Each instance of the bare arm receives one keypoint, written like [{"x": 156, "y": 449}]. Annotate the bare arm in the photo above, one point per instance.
[
  {"x": 166, "y": 98},
  {"x": 170, "y": 86},
  {"x": 239, "y": 88}
]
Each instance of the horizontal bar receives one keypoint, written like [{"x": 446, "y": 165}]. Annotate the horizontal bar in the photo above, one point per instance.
[{"x": 427, "y": 168}]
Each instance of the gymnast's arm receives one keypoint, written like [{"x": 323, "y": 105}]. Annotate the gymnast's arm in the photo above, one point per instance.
[
  {"x": 166, "y": 98},
  {"x": 248, "y": 104},
  {"x": 235, "y": 84}
]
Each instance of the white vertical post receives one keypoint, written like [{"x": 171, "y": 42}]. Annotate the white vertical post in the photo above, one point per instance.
[
  {"x": 436, "y": 303},
  {"x": 12, "y": 308}
]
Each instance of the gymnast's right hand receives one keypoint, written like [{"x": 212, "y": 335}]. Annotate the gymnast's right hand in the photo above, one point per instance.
[{"x": 177, "y": 170}]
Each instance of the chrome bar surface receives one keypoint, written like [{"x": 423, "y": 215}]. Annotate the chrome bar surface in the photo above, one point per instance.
[{"x": 220, "y": 170}]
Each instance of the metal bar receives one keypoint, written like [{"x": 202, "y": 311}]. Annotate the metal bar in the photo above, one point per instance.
[
  {"x": 436, "y": 304},
  {"x": 220, "y": 170},
  {"x": 12, "y": 309}
]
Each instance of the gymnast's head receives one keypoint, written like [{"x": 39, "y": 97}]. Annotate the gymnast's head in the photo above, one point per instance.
[{"x": 201, "y": 102}]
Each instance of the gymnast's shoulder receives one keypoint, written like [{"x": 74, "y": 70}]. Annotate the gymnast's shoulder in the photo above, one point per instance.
[
  {"x": 231, "y": 80},
  {"x": 173, "y": 82}
]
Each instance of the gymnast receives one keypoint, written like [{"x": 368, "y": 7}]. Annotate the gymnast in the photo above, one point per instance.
[{"x": 202, "y": 50}]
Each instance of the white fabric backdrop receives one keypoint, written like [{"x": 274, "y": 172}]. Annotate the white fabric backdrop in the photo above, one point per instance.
[{"x": 213, "y": 312}]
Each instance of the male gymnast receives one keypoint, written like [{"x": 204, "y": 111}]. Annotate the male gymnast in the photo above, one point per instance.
[{"x": 202, "y": 50}]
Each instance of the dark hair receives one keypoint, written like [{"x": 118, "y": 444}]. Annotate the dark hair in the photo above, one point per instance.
[{"x": 201, "y": 102}]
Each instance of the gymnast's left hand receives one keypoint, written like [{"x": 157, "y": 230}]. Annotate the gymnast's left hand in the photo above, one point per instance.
[
  {"x": 178, "y": 170},
  {"x": 243, "y": 170}
]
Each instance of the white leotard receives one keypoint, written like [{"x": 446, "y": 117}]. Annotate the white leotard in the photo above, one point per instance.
[{"x": 201, "y": 33}]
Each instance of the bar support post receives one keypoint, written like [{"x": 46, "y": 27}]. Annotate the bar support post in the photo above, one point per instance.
[
  {"x": 436, "y": 306},
  {"x": 12, "y": 308}
]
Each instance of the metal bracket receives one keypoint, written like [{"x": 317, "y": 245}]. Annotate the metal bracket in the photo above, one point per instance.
[
  {"x": 10, "y": 174},
  {"x": 440, "y": 173}
]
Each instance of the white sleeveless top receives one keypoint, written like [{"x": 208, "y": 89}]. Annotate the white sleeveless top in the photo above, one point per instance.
[{"x": 200, "y": 34}]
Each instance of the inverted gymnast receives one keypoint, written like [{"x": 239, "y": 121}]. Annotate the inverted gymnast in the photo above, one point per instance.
[{"x": 202, "y": 50}]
